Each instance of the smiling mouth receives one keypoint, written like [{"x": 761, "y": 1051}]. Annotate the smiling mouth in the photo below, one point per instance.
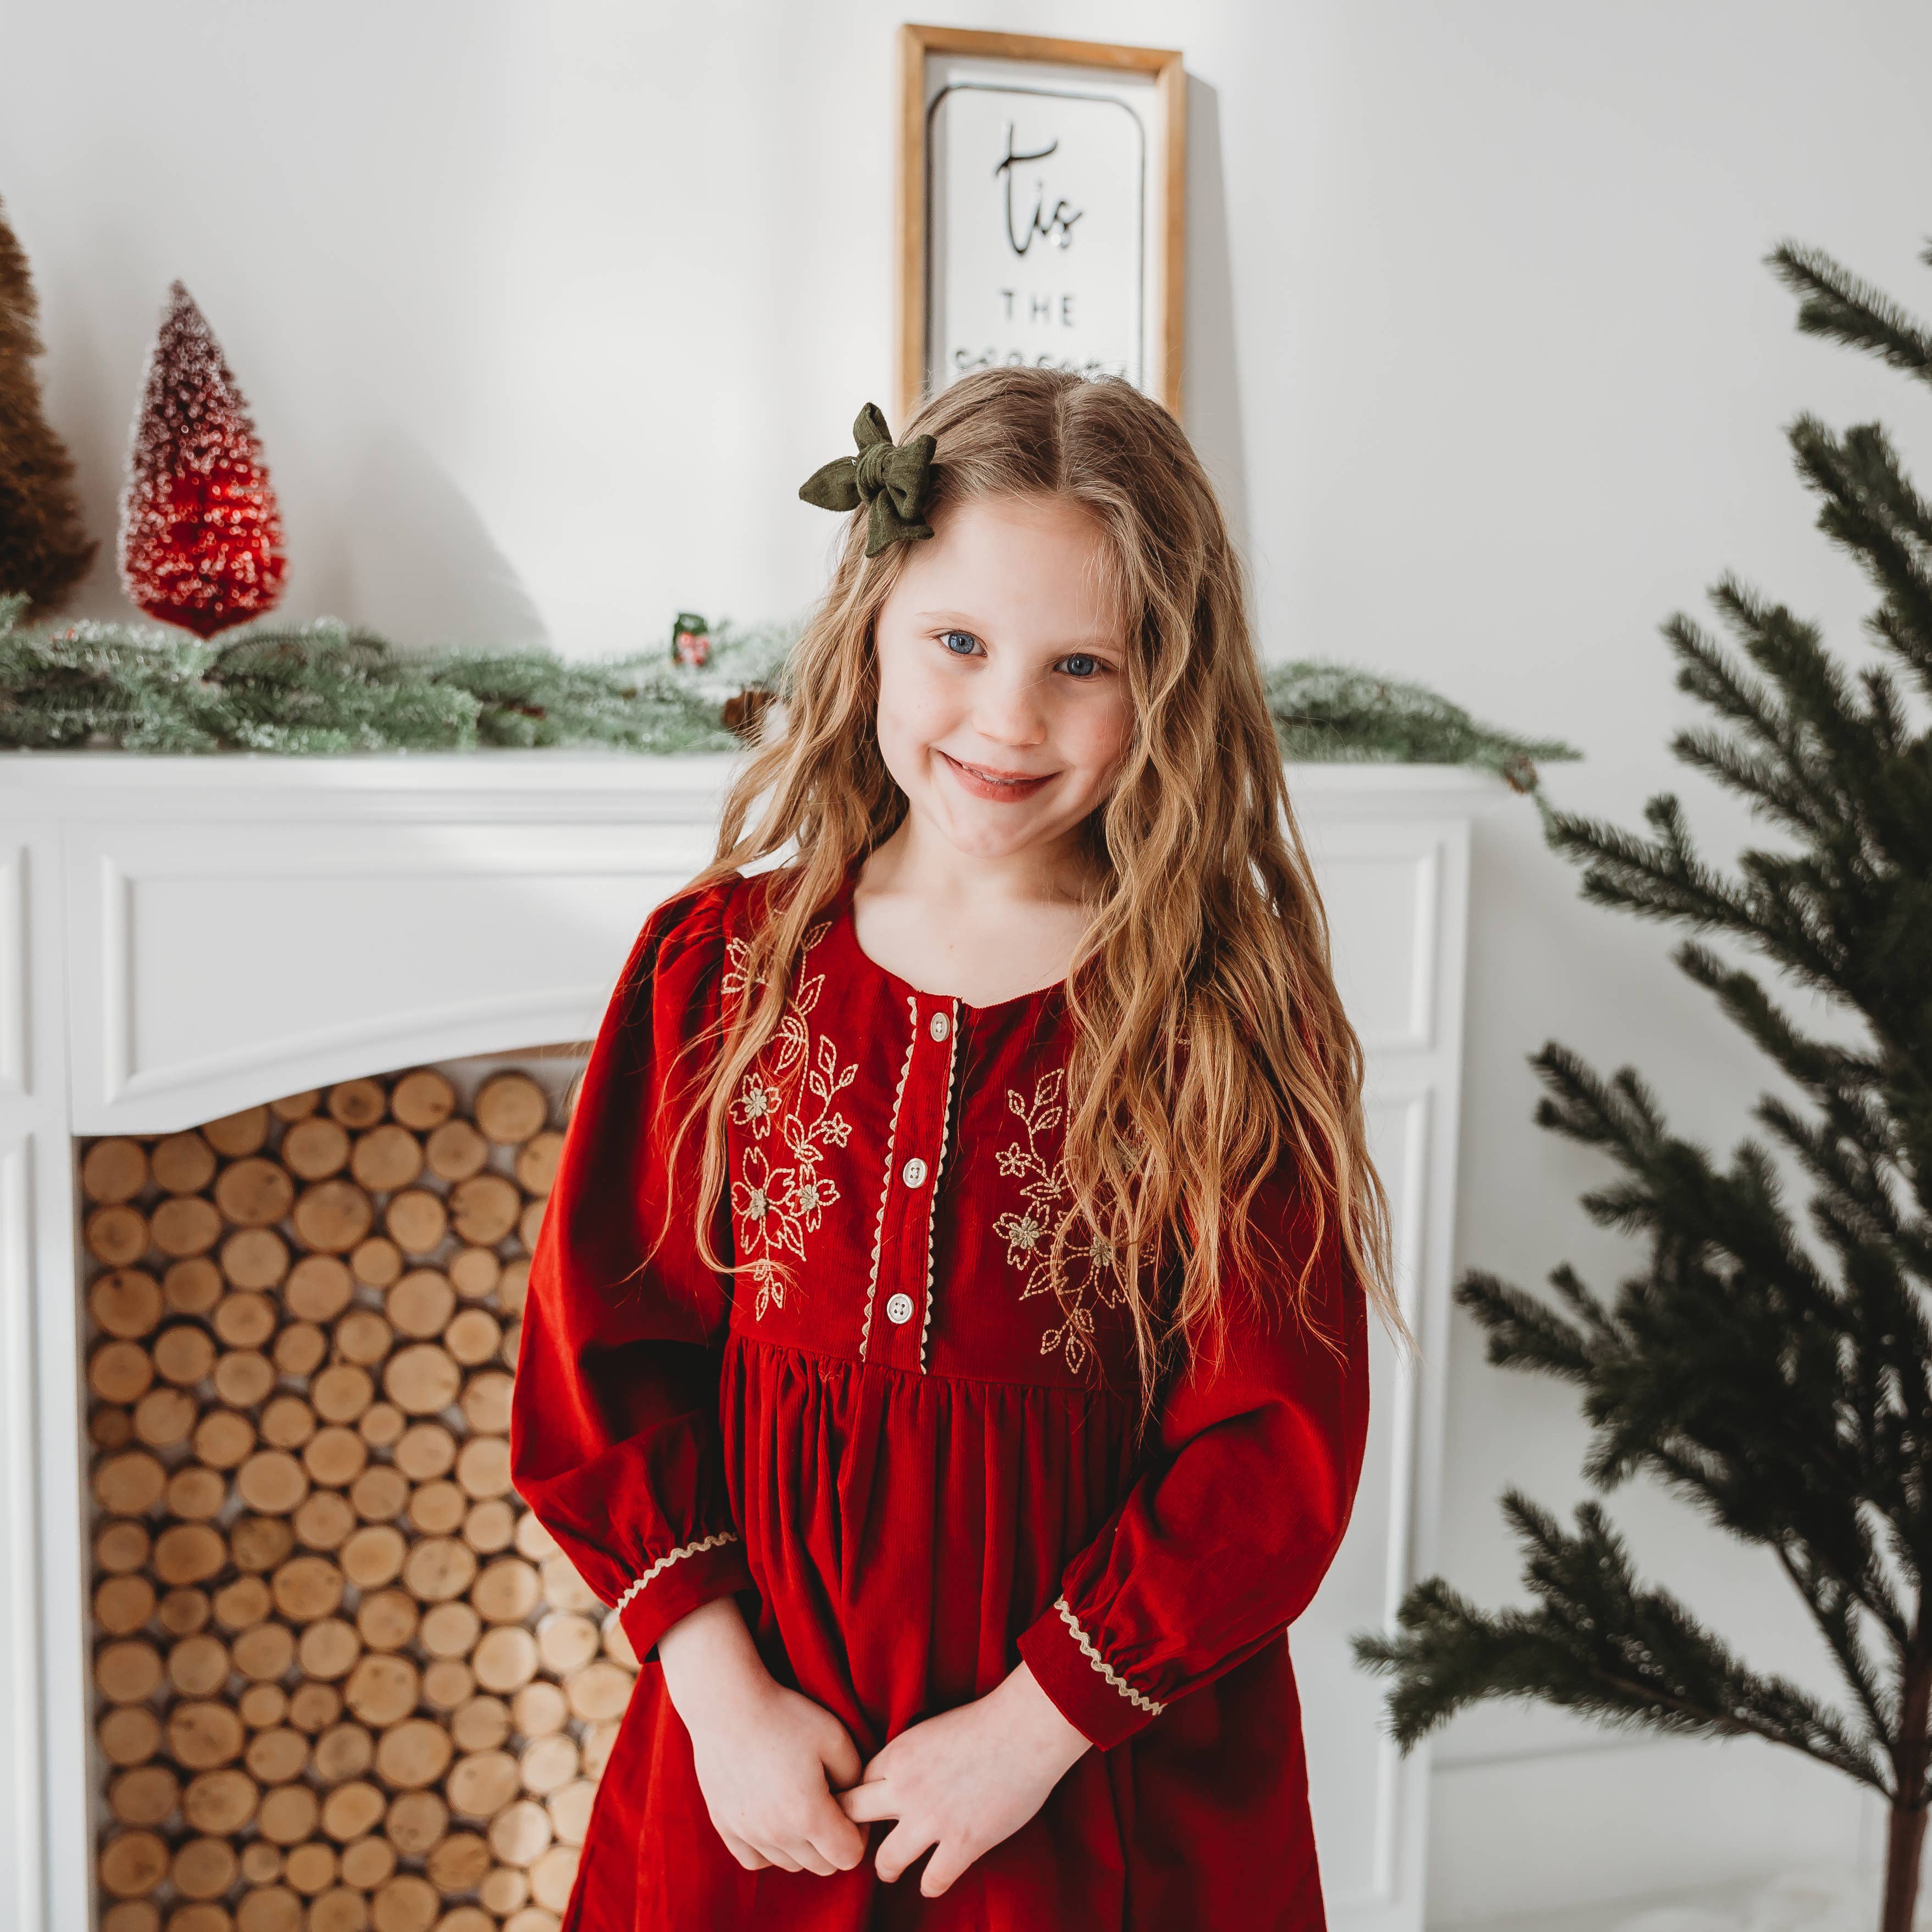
[{"x": 985, "y": 782}]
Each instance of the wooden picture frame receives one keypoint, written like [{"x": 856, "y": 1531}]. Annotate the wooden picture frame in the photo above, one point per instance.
[{"x": 970, "y": 288}]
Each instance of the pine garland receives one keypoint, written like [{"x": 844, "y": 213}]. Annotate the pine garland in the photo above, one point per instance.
[
  {"x": 1325, "y": 712},
  {"x": 324, "y": 688}
]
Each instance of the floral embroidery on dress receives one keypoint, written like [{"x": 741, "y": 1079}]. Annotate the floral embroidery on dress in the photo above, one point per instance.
[
  {"x": 1085, "y": 1275},
  {"x": 779, "y": 1196}
]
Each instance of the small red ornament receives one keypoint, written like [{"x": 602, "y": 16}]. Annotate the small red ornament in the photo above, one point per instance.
[
  {"x": 690, "y": 641},
  {"x": 201, "y": 535}
]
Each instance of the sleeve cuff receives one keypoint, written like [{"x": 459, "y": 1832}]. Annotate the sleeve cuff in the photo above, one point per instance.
[
  {"x": 1093, "y": 1697},
  {"x": 676, "y": 1585}
]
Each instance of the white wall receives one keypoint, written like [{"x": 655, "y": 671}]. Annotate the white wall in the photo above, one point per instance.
[{"x": 544, "y": 310}]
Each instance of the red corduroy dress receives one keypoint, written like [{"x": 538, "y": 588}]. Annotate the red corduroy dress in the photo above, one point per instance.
[{"x": 916, "y": 1464}]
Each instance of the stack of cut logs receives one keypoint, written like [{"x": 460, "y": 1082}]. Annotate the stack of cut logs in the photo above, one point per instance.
[{"x": 344, "y": 1680}]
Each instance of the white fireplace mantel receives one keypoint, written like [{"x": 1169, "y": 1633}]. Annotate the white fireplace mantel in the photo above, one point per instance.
[{"x": 181, "y": 938}]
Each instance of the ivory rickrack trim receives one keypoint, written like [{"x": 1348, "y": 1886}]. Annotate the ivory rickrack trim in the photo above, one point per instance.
[
  {"x": 1100, "y": 1663},
  {"x": 665, "y": 1562},
  {"x": 886, "y": 1186},
  {"x": 938, "y": 1166}
]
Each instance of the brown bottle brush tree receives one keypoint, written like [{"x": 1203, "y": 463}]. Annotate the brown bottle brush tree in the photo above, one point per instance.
[{"x": 44, "y": 551}]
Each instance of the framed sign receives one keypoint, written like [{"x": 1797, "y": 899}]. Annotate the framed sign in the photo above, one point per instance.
[{"x": 1041, "y": 209}]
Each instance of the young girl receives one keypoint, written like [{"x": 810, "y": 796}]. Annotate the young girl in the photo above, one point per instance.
[{"x": 945, "y": 1347}]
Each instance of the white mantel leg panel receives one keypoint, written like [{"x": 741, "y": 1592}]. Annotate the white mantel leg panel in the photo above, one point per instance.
[
  {"x": 46, "y": 1870},
  {"x": 1395, "y": 885},
  {"x": 181, "y": 938}
]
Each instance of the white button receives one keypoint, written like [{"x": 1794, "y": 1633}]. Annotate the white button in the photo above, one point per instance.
[
  {"x": 936, "y": 1026},
  {"x": 899, "y": 1308},
  {"x": 914, "y": 1172}
]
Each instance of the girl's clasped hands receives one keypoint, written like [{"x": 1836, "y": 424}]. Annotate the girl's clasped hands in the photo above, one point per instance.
[{"x": 785, "y": 1785}]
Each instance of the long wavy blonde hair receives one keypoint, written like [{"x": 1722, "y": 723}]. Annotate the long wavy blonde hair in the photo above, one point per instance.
[{"x": 1210, "y": 1044}]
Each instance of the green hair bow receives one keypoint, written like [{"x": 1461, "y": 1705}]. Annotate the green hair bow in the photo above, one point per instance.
[{"x": 892, "y": 477}]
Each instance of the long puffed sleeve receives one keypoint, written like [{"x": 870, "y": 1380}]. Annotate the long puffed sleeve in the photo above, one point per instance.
[
  {"x": 1222, "y": 1541},
  {"x": 614, "y": 1439}
]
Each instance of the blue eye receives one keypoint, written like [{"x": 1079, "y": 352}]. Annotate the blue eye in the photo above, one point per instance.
[{"x": 1081, "y": 665}]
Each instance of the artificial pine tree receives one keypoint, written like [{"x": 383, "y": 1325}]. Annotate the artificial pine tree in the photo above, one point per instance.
[
  {"x": 201, "y": 536},
  {"x": 1782, "y": 1383},
  {"x": 44, "y": 552}
]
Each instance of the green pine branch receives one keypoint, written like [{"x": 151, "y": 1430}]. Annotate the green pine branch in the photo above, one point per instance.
[
  {"x": 1734, "y": 1322},
  {"x": 1835, "y": 303},
  {"x": 1597, "y": 1643},
  {"x": 1872, "y": 514}
]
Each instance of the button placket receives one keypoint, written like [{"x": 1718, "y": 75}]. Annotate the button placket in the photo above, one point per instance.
[
  {"x": 951, "y": 1032},
  {"x": 901, "y": 1286}
]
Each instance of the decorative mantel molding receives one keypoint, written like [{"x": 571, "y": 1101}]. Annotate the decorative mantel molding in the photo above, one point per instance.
[{"x": 181, "y": 938}]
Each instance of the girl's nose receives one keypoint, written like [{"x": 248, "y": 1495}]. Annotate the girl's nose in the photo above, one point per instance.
[{"x": 1011, "y": 711}]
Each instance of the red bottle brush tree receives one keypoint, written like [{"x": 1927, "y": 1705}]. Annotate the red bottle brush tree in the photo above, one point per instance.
[{"x": 201, "y": 536}]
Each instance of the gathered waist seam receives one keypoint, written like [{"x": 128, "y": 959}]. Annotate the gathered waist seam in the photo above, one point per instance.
[{"x": 769, "y": 1345}]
